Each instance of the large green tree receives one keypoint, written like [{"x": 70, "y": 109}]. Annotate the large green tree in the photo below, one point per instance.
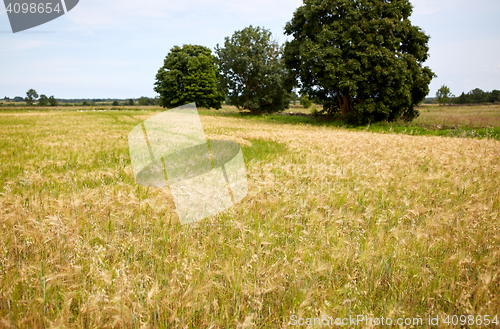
[
  {"x": 189, "y": 74},
  {"x": 252, "y": 71},
  {"x": 363, "y": 59}
]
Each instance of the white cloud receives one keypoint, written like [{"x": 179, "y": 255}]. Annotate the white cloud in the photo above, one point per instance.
[{"x": 134, "y": 15}]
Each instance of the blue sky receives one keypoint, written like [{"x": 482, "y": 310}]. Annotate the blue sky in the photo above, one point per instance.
[{"x": 113, "y": 48}]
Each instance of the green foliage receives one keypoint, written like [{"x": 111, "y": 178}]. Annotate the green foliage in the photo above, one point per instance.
[
  {"x": 478, "y": 96},
  {"x": 52, "y": 101},
  {"x": 143, "y": 101},
  {"x": 31, "y": 96},
  {"x": 189, "y": 74},
  {"x": 295, "y": 97},
  {"x": 314, "y": 111},
  {"x": 43, "y": 101},
  {"x": 494, "y": 96},
  {"x": 444, "y": 95},
  {"x": 115, "y": 103},
  {"x": 130, "y": 102},
  {"x": 362, "y": 59},
  {"x": 253, "y": 72},
  {"x": 305, "y": 101}
]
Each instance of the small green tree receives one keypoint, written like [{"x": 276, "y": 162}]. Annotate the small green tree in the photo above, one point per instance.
[
  {"x": 43, "y": 101},
  {"x": 295, "y": 97},
  {"x": 189, "y": 74},
  {"x": 52, "y": 101},
  {"x": 115, "y": 103},
  {"x": 305, "y": 101},
  {"x": 31, "y": 97},
  {"x": 444, "y": 95},
  {"x": 143, "y": 101},
  {"x": 361, "y": 59},
  {"x": 85, "y": 103},
  {"x": 252, "y": 71},
  {"x": 131, "y": 102}
]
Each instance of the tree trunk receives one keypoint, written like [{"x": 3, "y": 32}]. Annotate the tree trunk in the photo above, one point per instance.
[{"x": 344, "y": 105}]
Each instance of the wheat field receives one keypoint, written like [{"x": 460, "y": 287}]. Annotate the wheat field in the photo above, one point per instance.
[{"x": 336, "y": 222}]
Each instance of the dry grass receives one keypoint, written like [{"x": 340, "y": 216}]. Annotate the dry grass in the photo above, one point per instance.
[
  {"x": 336, "y": 222},
  {"x": 475, "y": 116}
]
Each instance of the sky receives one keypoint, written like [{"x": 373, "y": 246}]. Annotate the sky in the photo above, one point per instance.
[{"x": 114, "y": 48}]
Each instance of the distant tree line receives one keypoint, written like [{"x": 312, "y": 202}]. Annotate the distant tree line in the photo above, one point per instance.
[
  {"x": 475, "y": 96},
  {"x": 33, "y": 98},
  {"x": 15, "y": 99},
  {"x": 143, "y": 101}
]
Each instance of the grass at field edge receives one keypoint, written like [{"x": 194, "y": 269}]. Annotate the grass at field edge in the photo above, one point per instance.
[
  {"x": 398, "y": 127},
  {"x": 379, "y": 127}
]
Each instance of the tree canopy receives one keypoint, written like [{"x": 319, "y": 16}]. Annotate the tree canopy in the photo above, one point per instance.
[
  {"x": 31, "y": 96},
  {"x": 363, "y": 59},
  {"x": 305, "y": 101},
  {"x": 444, "y": 95},
  {"x": 252, "y": 71},
  {"x": 52, "y": 101},
  {"x": 43, "y": 101},
  {"x": 189, "y": 74},
  {"x": 144, "y": 101}
]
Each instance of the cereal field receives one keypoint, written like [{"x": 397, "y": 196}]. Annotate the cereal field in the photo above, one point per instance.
[{"x": 336, "y": 222}]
